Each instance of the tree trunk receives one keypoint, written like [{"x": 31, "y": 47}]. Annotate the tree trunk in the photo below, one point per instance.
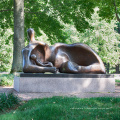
[
  {"x": 117, "y": 68},
  {"x": 18, "y": 35},
  {"x": 107, "y": 68}
]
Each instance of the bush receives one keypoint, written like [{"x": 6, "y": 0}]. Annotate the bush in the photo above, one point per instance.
[
  {"x": 8, "y": 101},
  {"x": 6, "y": 50},
  {"x": 6, "y": 79}
]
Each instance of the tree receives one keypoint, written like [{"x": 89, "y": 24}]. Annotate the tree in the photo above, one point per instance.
[
  {"x": 43, "y": 16},
  {"x": 50, "y": 16},
  {"x": 18, "y": 35},
  {"x": 109, "y": 9}
]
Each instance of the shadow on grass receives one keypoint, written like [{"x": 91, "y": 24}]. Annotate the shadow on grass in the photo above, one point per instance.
[{"x": 68, "y": 108}]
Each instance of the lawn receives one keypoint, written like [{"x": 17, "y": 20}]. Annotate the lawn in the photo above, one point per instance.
[
  {"x": 117, "y": 82},
  {"x": 59, "y": 108},
  {"x": 66, "y": 108}
]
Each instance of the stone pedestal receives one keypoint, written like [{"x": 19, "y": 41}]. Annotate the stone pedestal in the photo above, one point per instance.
[{"x": 63, "y": 83}]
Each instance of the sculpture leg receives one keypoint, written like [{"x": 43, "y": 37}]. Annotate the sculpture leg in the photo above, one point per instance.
[
  {"x": 71, "y": 67},
  {"x": 93, "y": 68}
]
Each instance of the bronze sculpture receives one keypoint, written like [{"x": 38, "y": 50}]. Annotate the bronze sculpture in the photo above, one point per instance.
[{"x": 38, "y": 57}]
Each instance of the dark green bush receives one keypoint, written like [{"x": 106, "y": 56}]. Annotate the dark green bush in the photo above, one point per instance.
[{"x": 8, "y": 101}]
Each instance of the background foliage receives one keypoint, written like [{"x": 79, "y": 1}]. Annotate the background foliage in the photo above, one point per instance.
[
  {"x": 6, "y": 79},
  {"x": 6, "y": 50},
  {"x": 66, "y": 21}
]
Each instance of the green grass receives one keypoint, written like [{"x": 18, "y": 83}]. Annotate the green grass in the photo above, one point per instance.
[
  {"x": 117, "y": 81},
  {"x": 65, "y": 108},
  {"x": 6, "y": 79},
  {"x": 7, "y": 101}
]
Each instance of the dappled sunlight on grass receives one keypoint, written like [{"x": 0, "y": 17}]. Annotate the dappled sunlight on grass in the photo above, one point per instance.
[{"x": 67, "y": 108}]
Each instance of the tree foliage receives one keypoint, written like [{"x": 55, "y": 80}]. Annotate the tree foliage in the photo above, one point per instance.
[
  {"x": 102, "y": 38},
  {"x": 64, "y": 20},
  {"x": 6, "y": 50},
  {"x": 109, "y": 9},
  {"x": 48, "y": 15}
]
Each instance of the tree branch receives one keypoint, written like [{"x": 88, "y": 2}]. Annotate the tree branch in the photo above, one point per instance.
[
  {"x": 13, "y": 10},
  {"x": 32, "y": 12},
  {"x": 116, "y": 13},
  {"x": 6, "y": 10}
]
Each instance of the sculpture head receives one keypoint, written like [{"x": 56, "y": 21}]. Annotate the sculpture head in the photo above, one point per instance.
[
  {"x": 31, "y": 34},
  {"x": 33, "y": 57}
]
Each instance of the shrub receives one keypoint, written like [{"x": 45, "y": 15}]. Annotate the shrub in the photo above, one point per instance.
[
  {"x": 6, "y": 79},
  {"x": 6, "y": 50},
  {"x": 8, "y": 101}
]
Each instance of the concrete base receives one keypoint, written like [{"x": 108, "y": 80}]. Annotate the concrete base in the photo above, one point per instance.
[{"x": 64, "y": 83}]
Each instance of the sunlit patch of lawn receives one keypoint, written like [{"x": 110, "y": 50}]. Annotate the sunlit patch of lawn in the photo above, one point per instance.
[
  {"x": 117, "y": 82},
  {"x": 67, "y": 108}
]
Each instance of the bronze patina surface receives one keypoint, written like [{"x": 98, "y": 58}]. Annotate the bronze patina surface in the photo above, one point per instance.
[{"x": 38, "y": 57}]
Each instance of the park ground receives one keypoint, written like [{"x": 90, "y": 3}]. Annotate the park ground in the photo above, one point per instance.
[
  {"x": 64, "y": 106},
  {"x": 28, "y": 96}
]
